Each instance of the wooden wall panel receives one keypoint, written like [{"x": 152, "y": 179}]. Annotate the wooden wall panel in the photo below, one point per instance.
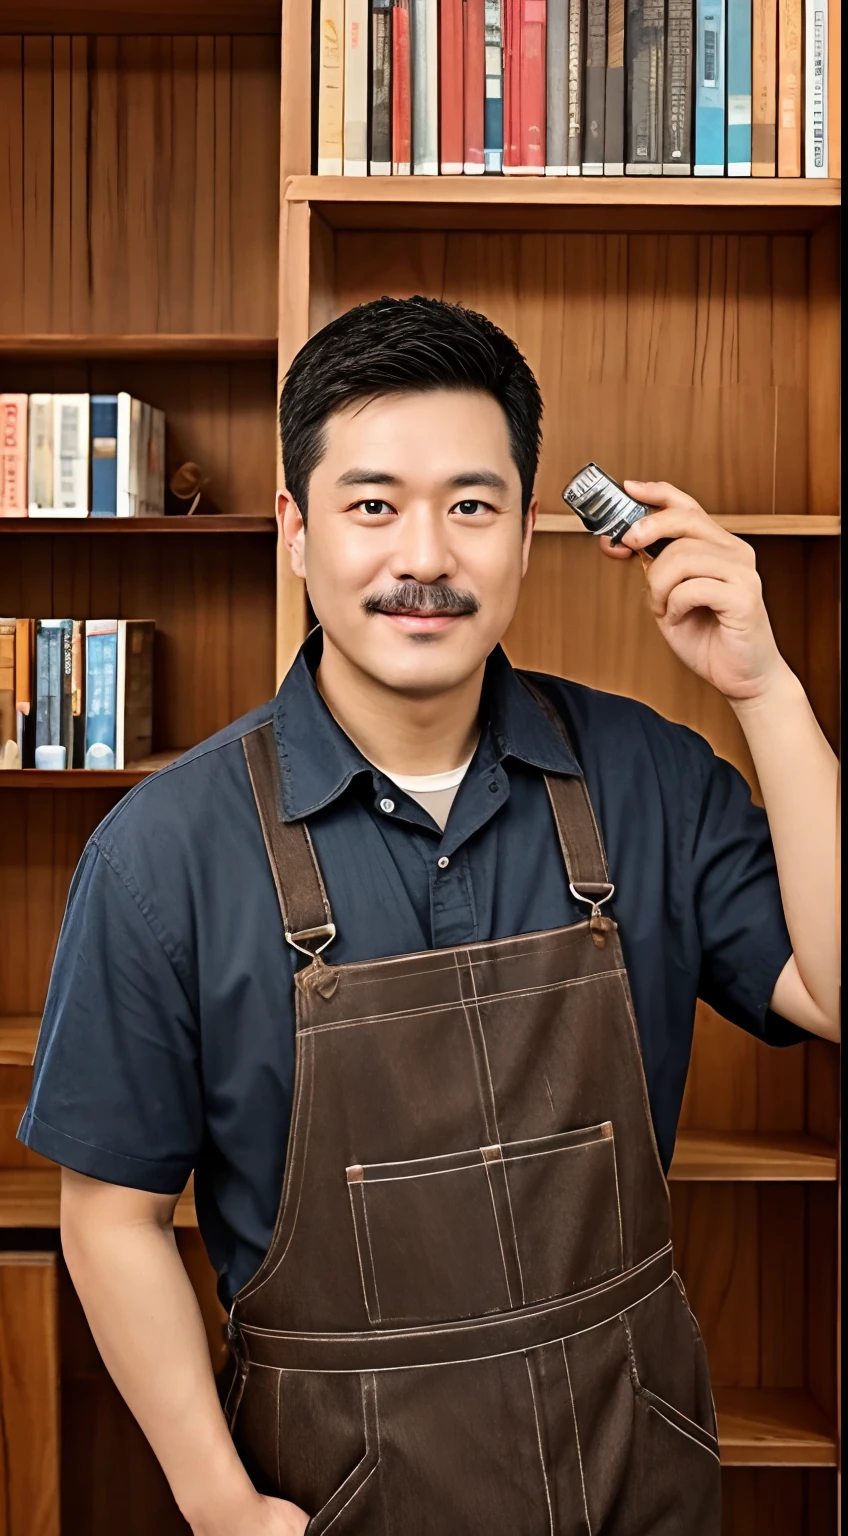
[
  {"x": 682, "y": 357},
  {"x": 778, "y": 1502},
  {"x": 141, "y": 184},
  {"x": 29, "y": 1395}
]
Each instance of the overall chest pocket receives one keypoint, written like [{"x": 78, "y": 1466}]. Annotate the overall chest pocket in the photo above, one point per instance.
[{"x": 488, "y": 1229}]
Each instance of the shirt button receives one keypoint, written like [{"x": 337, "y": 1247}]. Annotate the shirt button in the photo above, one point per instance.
[
  {"x": 444, "y": 861},
  {"x": 493, "y": 789},
  {"x": 387, "y": 806}
]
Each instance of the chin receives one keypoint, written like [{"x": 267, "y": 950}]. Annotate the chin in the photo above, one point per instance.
[{"x": 422, "y": 666}]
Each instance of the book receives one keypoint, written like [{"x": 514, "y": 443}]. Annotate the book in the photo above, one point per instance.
[
  {"x": 815, "y": 88},
  {"x": 614, "y": 94},
  {"x": 556, "y": 83},
  {"x": 709, "y": 88},
  {"x": 527, "y": 66},
  {"x": 764, "y": 89},
  {"x": 424, "y": 24},
  {"x": 154, "y": 493},
  {"x": 104, "y": 455},
  {"x": 645, "y": 42},
  {"x": 13, "y": 455},
  {"x": 595, "y": 88},
  {"x": 25, "y": 716},
  {"x": 40, "y": 456},
  {"x": 70, "y": 455},
  {"x": 576, "y": 52},
  {"x": 54, "y": 725},
  {"x": 401, "y": 90},
  {"x": 331, "y": 88},
  {"x": 789, "y": 88},
  {"x": 738, "y": 87},
  {"x": 8, "y": 715},
  {"x": 355, "y": 131},
  {"x": 123, "y": 451},
  {"x": 493, "y": 125},
  {"x": 380, "y": 148},
  {"x": 101, "y": 669},
  {"x": 451, "y": 88},
  {"x": 78, "y": 693},
  {"x": 474, "y": 83},
  {"x": 677, "y": 110},
  {"x": 134, "y": 691}
]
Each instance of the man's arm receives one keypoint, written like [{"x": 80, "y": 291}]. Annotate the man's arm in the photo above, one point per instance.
[
  {"x": 706, "y": 597},
  {"x": 121, "y": 1252}
]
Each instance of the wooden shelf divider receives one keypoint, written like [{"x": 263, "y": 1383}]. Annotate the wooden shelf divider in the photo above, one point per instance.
[
  {"x": 747, "y": 524},
  {"x": 730, "y": 1156},
  {"x": 87, "y": 778},
  {"x": 190, "y": 347},
  {"x": 220, "y": 523},
  {"x": 762, "y": 1428}
]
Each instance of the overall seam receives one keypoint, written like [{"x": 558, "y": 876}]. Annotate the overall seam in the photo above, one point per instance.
[
  {"x": 576, "y": 1436},
  {"x": 541, "y": 1448}
]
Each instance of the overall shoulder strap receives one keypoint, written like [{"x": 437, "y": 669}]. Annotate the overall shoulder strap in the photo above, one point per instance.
[{"x": 307, "y": 919}]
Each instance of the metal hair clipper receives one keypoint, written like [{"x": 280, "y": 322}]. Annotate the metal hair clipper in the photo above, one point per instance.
[{"x": 604, "y": 506}]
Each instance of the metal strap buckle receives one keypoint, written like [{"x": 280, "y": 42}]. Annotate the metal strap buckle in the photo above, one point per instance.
[
  {"x": 595, "y": 902},
  {"x": 328, "y": 929}
]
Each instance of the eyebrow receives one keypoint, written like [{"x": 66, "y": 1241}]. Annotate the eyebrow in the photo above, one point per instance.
[{"x": 463, "y": 481}]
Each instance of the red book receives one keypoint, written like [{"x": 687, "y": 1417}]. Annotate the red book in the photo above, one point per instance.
[
  {"x": 451, "y": 88},
  {"x": 401, "y": 90},
  {"x": 524, "y": 87},
  {"x": 474, "y": 45},
  {"x": 13, "y": 455}
]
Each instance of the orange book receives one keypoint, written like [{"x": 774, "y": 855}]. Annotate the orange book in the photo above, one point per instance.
[
  {"x": 401, "y": 90},
  {"x": 474, "y": 50},
  {"x": 13, "y": 455},
  {"x": 764, "y": 88},
  {"x": 451, "y": 88},
  {"x": 790, "y": 100}
]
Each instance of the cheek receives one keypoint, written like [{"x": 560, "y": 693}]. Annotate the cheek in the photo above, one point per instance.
[{"x": 340, "y": 564}]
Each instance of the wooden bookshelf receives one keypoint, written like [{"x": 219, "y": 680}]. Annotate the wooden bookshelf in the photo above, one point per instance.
[
  {"x": 193, "y": 526},
  {"x": 175, "y": 348}
]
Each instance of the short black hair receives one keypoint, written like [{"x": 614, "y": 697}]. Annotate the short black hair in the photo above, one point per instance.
[{"x": 393, "y": 346}]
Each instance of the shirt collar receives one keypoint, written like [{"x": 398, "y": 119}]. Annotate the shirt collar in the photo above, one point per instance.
[{"x": 318, "y": 760}]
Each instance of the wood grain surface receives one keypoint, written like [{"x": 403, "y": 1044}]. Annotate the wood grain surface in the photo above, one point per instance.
[{"x": 29, "y": 1395}]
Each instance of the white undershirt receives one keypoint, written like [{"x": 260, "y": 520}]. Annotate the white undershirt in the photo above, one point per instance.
[{"x": 434, "y": 792}]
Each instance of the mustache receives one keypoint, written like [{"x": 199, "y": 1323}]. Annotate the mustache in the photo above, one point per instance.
[{"x": 420, "y": 597}]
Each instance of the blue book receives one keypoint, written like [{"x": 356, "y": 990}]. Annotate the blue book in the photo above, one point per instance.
[
  {"x": 738, "y": 87},
  {"x": 104, "y": 455},
  {"x": 493, "y": 130},
  {"x": 709, "y": 89},
  {"x": 101, "y": 692}
]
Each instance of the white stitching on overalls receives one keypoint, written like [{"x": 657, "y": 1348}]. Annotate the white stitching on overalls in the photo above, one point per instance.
[
  {"x": 541, "y": 1448},
  {"x": 576, "y": 1436}
]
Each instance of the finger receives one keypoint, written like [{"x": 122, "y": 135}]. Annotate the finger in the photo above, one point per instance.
[
  {"x": 659, "y": 493},
  {"x": 688, "y": 559},
  {"x": 614, "y": 551},
  {"x": 703, "y": 592},
  {"x": 680, "y": 522}
]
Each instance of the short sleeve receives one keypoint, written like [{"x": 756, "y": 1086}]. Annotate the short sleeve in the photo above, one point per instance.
[
  {"x": 744, "y": 939},
  {"x": 116, "y": 1090}
]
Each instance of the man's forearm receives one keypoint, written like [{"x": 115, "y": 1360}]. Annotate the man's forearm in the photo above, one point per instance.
[
  {"x": 146, "y": 1322},
  {"x": 797, "y": 772}
]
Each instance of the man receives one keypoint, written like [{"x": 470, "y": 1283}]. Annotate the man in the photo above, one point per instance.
[{"x": 428, "y": 935}]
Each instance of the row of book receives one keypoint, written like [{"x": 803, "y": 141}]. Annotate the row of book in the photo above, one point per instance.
[
  {"x": 571, "y": 87},
  {"x": 81, "y": 456},
  {"x": 75, "y": 693}
]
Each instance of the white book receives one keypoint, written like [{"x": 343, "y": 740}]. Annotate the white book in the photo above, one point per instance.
[
  {"x": 132, "y": 481},
  {"x": 70, "y": 455},
  {"x": 356, "y": 88},
  {"x": 815, "y": 88},
  {"x": 122, "y": 455},
  {"x": 40, "y": 456},
  {"x": 424, "y": 48}
]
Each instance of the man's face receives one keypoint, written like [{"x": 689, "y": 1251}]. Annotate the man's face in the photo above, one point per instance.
[{"x": 414, "y": 550}]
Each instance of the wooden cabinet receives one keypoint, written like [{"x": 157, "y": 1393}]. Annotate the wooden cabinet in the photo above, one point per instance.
[{"x": 163, "y": 232}]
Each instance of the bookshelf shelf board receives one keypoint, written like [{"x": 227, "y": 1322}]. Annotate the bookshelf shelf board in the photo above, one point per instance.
[
  {"x": 738, "y": 522},
  {"x": 765, "y": 1428},
  {"x": 18, "y": 1036},
  {"x": 757, "y": 1156},
  {"x": 86, "y": 778},
  {"x": 121, "y": 525},
  {"x": 29, "y": 1197},
  {"x": 184, "y": 17},
  {"x": 176, "y": 348},
  {"x": 512, "y": 202}
]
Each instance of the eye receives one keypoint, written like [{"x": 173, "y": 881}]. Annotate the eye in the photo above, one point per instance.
[
  {"x": 374, "y": 508},
  {"x": 471, "y": 508}
]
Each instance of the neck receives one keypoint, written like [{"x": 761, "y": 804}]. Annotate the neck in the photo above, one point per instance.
[{"x": 399, "y": 732}]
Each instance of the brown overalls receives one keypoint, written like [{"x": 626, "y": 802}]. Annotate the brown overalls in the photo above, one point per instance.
[{"x": 468, "y": 1321}]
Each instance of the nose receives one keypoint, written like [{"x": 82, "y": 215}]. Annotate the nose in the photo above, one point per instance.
[{"x": 422, "y": 551}]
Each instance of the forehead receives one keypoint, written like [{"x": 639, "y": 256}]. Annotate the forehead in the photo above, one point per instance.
[{"x": 438, "y": 431}]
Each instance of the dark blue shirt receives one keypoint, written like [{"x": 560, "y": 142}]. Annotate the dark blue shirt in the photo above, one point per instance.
[{"x": 167, "y": 1042}]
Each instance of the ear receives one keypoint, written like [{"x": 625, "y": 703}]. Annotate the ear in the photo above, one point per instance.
[
  {"x": 293, "y": 530},
  {"x": 529, "y": 525}
]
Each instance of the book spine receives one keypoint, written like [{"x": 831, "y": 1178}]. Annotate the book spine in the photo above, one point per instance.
[
  {"x": 815, "y": 88},
  {"x": 474, "y": 64},
  {"x": 556, "y": 84},
  {"x": 532, "y": 56},
  {"x": 493, "y": 124},
  {"x": 331, "y": 88},
  {"x": 8, "y": 729},
  {"x": 134, "y": 723},
  {"x": 70, "y": 455},
  {"x": 104, "y": 455},
  {"x": 144, "y": 414},
  {"x": 789, "y": 88},
  {"x": 677, "y": 112},
  {"x": 40, "y": 476},
  {"x": 615, "y": 94},
  {"x": 380, "y": 150},
  {"x": 24, "y": 647},
  {"x": 48, "y": 682},
  {"x": 645, "y": 86},
  {"x": 425, "y": 87},
  {"x": 709, "y": 89},
  {"x": 595, "y": 88},
  {"x": 451, "y": 88},
  {"x": 738, "y": 87},
  {"x": 13, "y": 455},
  {"x": 355, "y": 137},
  {"x": 78, "y": 693},
  {"x": 764, "y": 89},
  {"x": 66, "y": 693},
  {"x": 122, "y": 455},
  {"x": 576, "y": 51},
  {"x": 135, "y": 434},
  {"x": 101, "y": 672},
  {"x": 401, "y": 90},
  {"x": 156, "y": 464}
]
